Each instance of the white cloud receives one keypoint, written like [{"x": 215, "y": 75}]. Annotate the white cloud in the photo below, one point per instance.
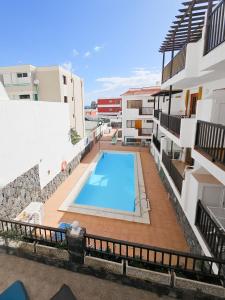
[
  {"x": 68, "y": 66},
  {"x": 98, "y": 48},
  {"x": 115, "y": 86},
  {"x": 75, "y": 52},
  {"x": 87, "y": 54}
]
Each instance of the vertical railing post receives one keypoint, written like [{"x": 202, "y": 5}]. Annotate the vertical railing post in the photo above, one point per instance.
[
  {"x": 163, "y": 65},
  {"x": 170, "y": 97},
  {"x": 207, "y": 27},
  {"x": 76, "y": 246}
]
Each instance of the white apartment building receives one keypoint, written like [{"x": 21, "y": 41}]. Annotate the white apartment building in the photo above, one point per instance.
[
  {"x": 189, "y": 123},
  {"x": 53, "y": 83},
  {"x": 137, "y": 114}
]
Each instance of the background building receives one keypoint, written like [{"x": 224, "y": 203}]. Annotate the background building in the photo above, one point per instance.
[
  {"x": 137, "y": 114},
  {"x": 54, "y": 83},
  {"x": 109, "y": 106}
]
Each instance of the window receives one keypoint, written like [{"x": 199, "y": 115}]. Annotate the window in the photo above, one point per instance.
[
  {"x": 36, "y": 97},
  {"x": 27, "y": 96},
  {"x": 151, "y": 100},
  {"x": 132, "y": 140},
  {"x": 65, "y": 99},
  {"x": 64, "y": 79},
  {"x": 72, "y": 98},
  {"x": 21, "y": 75},
  {"x": 149, "y": 121},
  {"x": 134, "y": 103},
  {"x": 130, "y": 124}
]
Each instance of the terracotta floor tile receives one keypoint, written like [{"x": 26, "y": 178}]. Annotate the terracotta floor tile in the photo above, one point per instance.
[{"x": 164, "y": 230}]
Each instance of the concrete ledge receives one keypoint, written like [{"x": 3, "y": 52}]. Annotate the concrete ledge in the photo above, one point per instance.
[
  {"x": 52, "y": 252},
  {"x": 109, "y": 266},
  {"x": 206, "y": 288},
  {"x": 161, "y": 278}
]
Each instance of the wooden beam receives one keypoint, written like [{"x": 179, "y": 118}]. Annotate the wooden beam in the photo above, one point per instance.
[
  {"x": 195, "y": 8},
  {"x": 202, "y": 13},
  {"x": 186, "y": 25},
  {"x": 193, "y": 19}
]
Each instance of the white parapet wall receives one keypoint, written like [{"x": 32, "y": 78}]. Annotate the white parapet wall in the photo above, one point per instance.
[{"x": 35, "y": 133}]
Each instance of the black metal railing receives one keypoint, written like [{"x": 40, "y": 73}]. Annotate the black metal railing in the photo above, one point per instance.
[
  {"x": 154, "y": 258},
  {"x": 210, "y": 138},
  {"x": 176, "y": 65},
  {"x": 172, "y": 122},
  {"x": 146, "y": 111},
  {"x": 157, "y": 113},
  {"x": 156, "y": 142},
  {"x": 210, "y": 231},
  {"x": 33, "y": 233},
  {"x": 145, "y": 131},
  {"x": 215, "y": 34},
  {"x": 172, "y": 170}
]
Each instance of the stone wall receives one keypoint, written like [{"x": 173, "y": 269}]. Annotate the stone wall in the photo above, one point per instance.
[
  {"x": 51, "y": 187},
  {"x": 187, "y": 230},
  {"x": 16, "y": 195}
]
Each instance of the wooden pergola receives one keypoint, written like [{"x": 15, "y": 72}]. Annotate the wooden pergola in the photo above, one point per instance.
[
  {"x": 187, "y": 28},
  {"x": 188, "y": 25}
]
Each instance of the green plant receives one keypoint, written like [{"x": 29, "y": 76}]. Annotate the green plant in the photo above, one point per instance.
[
  {"x": 12, "y": 235},
  {"x": 74, "y": 136}
]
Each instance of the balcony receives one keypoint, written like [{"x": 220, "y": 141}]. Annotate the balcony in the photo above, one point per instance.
[
  {"x": 145, "y": 111},
  {"x": 210, "y": 230},
  {"x": 176, "y": 65},
  {"x": 171, "y": 123},
  {"x": 215, "y": 34},
  {"x": 157, "y": 113},
  {"x": 173, "y": 170},
  {"x": 156, "y": 142},
  {"x": 145, "y": 131},
  {"x": 210, "y": 141}
]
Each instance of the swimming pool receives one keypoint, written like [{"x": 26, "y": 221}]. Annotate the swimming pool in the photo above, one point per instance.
[{"x": 111, "y": 184}]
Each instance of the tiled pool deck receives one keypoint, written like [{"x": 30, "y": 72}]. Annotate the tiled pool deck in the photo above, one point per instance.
[{"x": 164, "y": 230}]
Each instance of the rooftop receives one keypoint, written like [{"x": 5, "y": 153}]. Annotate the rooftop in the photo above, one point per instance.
[
  {"x": 42, "y": 282},
  {"x": 142, "y": 91}
]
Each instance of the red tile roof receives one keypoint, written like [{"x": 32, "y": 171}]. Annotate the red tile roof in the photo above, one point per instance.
[{"x": 142, "y": 91}]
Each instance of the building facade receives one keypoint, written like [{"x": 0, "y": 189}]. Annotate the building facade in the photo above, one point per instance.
[
  {"x": 137, "y": 114},
  {"x": 54, "y": 84},
  {"x": 109, "y": 106},
  {"x": 189, "y": 125}
]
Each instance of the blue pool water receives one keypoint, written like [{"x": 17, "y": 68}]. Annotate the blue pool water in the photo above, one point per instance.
[{"x": 111, "y": 184}]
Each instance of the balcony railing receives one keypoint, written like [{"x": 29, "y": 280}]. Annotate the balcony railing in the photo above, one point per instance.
[
  {"x": 156, "y": 113},
  {"x": 210, "y": 231},
  {"x": 176, "y": 65},
  {"x": 172, "y": 170},
  {"x": 210, "y": 138},
  {"x": 215, "y": 34},
  {"x": 144, "y": 131},
  {"x": 146, "y": 111},
  {"x": 171, "y": 122},
  {"x": 156, "y": 142}
]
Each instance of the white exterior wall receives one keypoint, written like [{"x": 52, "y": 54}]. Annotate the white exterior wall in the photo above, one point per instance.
[
  {"x": 3, "y": 95},
  {"x": 34, "y": 133}
]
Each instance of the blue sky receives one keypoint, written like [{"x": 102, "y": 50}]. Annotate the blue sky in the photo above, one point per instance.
[{"x": 111, "y": 44}]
